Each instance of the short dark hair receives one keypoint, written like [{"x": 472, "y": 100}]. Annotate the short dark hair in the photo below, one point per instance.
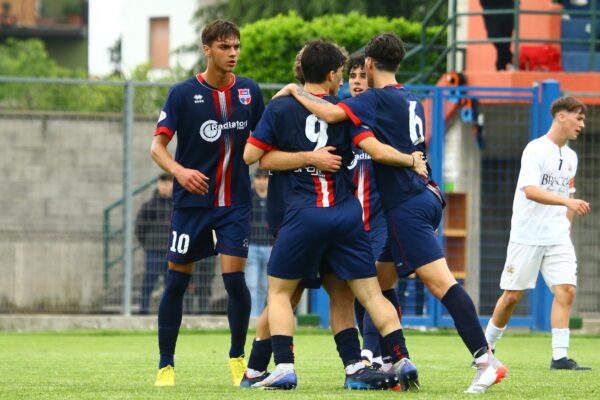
[
  {"x": 219, "y": 29},
  {"x": 567, "y": 103},
  {"x": 386, "y": 50},
  {"x": 165, "y": 177},
  {"x": 318, "y": 58},
  {"x": 356, "y": 61}
]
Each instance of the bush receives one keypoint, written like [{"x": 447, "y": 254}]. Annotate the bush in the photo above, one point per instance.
[{"x": 269, "y": 46}]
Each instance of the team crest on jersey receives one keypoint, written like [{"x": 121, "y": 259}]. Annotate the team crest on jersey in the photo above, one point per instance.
[{"x": 244, "y": 96}]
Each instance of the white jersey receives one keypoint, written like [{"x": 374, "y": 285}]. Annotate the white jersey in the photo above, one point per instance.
[{"x": 552, "y": 168}]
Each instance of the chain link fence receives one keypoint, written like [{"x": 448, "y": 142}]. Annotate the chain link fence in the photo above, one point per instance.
[{"x": 74, "y": 147}]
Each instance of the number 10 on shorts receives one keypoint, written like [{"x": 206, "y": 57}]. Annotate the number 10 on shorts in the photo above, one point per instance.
[{"x": 180, "y": 244}]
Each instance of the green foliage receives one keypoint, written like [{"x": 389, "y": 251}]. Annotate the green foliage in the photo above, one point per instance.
[
  {"x": 28, "y": 58},
  {"x": 248, "y": 11},
  {"x": 269, "y": 46}
]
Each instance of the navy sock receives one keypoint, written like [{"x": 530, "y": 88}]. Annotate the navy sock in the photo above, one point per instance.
[
  {"x": 260, "y": 355},
  {"x": 394, "y": 343},
  {"x": 371, "y": 337},
  {"x": 461, "y": 308},
  {"x": 283, "y": 349},
  {"x": 170, "y": 311},
  {"x": 359, "y": 313},
  {"x": 348, "y": 346},
  {"x": 238, "y": 311},
  {"x": 392, "y": 296}
]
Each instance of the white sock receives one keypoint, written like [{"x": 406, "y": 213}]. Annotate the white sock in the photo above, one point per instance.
[
  {"x": 352, "y": 368},
  {"x": 386, "y": 367},
  {"x": 482, "y": 359},
  {"x": 368, "y": 354},
  {"x": 285, "y": 367},
  {"x": 560, "y": 342},
  {"x": 252, "y": 373},
  {"x": 378, "y": 360},
  {"x": 493, "y": 334}
]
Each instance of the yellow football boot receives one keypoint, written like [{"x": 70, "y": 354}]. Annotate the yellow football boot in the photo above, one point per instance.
[
  {"x": 165, "y": 377},
  {"x": 237, "y": 366}
]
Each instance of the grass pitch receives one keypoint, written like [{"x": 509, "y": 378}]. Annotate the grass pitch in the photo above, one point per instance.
[{"x": 122, "y": 365}]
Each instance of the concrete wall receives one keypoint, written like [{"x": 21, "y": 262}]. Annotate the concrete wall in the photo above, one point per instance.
[{"x": 58, "y": 172}]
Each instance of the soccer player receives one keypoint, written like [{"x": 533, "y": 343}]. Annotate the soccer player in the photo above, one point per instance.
[
  {"x": 543, "y": 210},
  {"x": 323, "y": 218},
  {"x": 212, "y": 114},
  {"x": 413, "y": 205}
]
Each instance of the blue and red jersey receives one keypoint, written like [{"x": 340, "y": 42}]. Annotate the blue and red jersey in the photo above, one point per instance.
[
  {"x": 366, "y": 190},
  {"x": 396, "y": 118},
  {"x": 212, "y": 126},
  {"x": 288, "y": 126}
]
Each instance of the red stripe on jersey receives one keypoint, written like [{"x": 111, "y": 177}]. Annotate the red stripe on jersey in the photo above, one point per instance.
[
  {"x": 217, "y": 104},
  {"x": 318, "y": 190},
  {"x": 219, "y": 172},
  {"x": 228, "y": 104},
  {"x": 355, "y": 120},
  {"x": 396, "y": 85},
  {"x": 360, "y": 137},
  {"x": 228, "y": 174},
  {"x": 329, "y": 179},
  {"x": 261, "y": 145},
  {"x": 163, "y": 130},
  {"x": 367, "y": 198}
]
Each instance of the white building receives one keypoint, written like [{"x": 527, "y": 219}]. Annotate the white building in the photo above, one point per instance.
[{"x": 150, "y": 32}]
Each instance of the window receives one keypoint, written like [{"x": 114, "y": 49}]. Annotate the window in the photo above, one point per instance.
[{"x": 159, "y": 42}]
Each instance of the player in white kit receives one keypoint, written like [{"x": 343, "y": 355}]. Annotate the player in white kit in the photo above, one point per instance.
[{"x": 540, "y": 241}]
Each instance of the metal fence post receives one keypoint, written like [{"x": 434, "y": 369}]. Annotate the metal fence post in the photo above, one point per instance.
[
  {"x": 127, "y": 196},
  {"x": 550, "y": 91}
]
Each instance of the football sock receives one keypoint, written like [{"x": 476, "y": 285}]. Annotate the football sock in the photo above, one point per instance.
[
  {"x": 493, "y": 334},
  {"x": 560, "y": 342},
  {"x": 170, "y": 311},
  {"x": 359, "y": 313},
  {"x": 348, "y": 346},
  {"x": 394, "y": 343},
  {"x": 283, "y": 349},
  {"x": 238, "y": 311},
  {"x": 260, "y": 355},
  {"x": 461, "y": 308},
  {"x": 392, "y": 296},
  {"x": 371, "y": 338}
]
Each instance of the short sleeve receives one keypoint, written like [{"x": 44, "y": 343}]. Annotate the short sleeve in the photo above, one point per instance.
[
  {"x": 263, "y": 136},
  {"x": 358, "y": 133},
  {"x": 531, "y": 171},
  {"x": 167, "y": 121},
  {"x": 361, "y": 110}
]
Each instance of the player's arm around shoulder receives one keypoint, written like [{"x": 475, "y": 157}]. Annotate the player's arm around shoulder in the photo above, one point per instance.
[
  {"x": 323, "y": 109},
  {"x": 386, "y": 154}
]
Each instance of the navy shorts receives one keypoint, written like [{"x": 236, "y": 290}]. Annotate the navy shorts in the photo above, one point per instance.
[
  {"x": 412, "y": 241},
  {"x": 312, "y": 237},
  {"x": 192, "y": 233},
  {"x": 377, "y": 239}
]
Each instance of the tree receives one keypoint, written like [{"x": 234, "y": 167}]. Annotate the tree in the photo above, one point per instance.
[{"x": 247, "y": 11}]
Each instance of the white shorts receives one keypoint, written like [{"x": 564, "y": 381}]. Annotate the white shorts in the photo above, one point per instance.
[{"x": 557, "y": 263}]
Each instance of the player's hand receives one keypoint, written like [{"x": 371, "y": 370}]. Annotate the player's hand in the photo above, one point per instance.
[
  {"x": 325, "y": 160},
  {"x": 287, "y": 90},
  {"x": 580, "y": 207},
  {"x": 420, "y": 166},
  {"x": 192, "y": 180}
]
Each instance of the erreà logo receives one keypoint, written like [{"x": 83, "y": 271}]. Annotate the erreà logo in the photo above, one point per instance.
[
  {"x": 211, "y": 130},
  {"x": 162, "y": 116}
]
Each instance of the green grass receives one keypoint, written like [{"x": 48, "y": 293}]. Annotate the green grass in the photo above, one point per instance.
[{"x": 122, "y": 365}]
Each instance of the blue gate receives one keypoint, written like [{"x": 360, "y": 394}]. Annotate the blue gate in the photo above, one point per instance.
[{"x": 441, "y": 103}]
